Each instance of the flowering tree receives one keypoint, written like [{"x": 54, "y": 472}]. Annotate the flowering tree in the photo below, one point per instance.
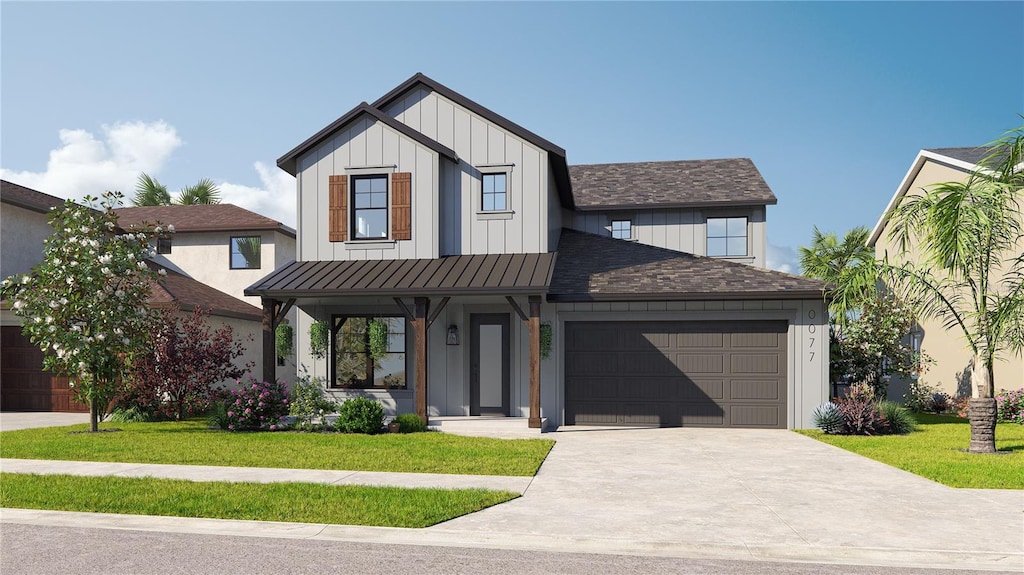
[
  {"x": 184, "y": 362},
  {"x": 85, "y": 304}
]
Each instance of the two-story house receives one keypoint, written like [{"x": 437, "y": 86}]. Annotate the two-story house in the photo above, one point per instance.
[
  {"x": 952, "y": 360},
  {"x": 514, "y": 284},
  {"x": 226, "y": 247}
]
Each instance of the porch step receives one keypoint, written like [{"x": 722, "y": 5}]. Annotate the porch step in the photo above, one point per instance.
[{"x": 487, "y": 426}]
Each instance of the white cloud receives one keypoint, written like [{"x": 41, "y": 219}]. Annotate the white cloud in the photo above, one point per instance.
[
  {"x": 783, "y": 259},
  {"x": 274, "y": 199},
  {"x": 85, "y": 165}
]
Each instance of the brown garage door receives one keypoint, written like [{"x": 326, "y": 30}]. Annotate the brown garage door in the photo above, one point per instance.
[
  {"x": 24, "y": 386},
  {"x": 671, "y": 374}
]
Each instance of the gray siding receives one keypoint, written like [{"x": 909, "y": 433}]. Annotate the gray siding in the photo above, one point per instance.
[
  {"x": 480, "y": 143},
  {"x": 677, "y": 229},
  {"x": 367, "y": 143}
]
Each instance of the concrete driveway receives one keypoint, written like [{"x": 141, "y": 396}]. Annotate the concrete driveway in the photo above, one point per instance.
[
  {"x": 763, "y": 494},
  {"x": 11, "y": 420}
]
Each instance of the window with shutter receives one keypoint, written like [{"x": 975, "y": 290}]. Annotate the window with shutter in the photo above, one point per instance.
[
  {"x": 401, "y": 206},
  {"x": 338, "y": 208}
]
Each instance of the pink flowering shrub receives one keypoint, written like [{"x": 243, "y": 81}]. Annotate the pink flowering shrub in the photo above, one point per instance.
[
  {"x": 257, "y": 406},
  {"x": 1010, "y": 406}
]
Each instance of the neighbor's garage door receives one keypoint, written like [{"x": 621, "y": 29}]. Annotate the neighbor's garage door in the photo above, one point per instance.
[
  {"x": 670, "y": 374},
  {"x": 24, "y": 386}
]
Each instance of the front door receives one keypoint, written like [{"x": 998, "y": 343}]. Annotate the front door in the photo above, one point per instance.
[{"x": 489, "y": 363}]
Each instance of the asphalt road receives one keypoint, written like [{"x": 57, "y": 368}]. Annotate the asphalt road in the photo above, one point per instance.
[{"x": 37, "y": 550}]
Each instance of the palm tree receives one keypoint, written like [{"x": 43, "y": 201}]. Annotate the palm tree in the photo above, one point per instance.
[
  {"x": 150, "y": 192},
  {"x": 849, "y": 266},
  {"x": 970, "y": 275}
]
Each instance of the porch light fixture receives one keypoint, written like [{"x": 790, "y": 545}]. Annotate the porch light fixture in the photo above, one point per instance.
[{"x": 453, "y": 335}]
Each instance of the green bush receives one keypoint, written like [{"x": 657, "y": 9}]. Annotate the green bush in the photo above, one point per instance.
[
  {"x": 218, "y": 418},
  {"x": 898, "y": 419},
  {"x": 131, "y": 414},
  {"x": 308, "y": 402},
  {"x": 828, "y": 418},
  {"x": 360, "y": 415},
  {"x": 410, "y": 423}
]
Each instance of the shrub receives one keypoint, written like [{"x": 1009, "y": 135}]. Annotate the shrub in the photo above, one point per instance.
[
  {"x": 959, "y": 406},
  {"x": 861, "y": 415},
  {"x": 828, "y": 418},
  {"x": 308, "y": 402},
  {"x": 257, "y": 406},
  {"x": 1010, "y": 406},
  {"x": 218, "y": 418},
  {"x": 360, "y": 415},
  {"x": 919, "y": 396},
  {"x": 130, "y": 414},
  {"x": 410, "y": 423},
  {"x": 897, "y": 419}
]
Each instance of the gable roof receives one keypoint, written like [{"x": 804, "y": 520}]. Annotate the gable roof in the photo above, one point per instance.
[
  {"x": 189, "y": 294},
  {"x": 556, "y": 154},
  {"x": 688, "y": 183},
  {"x": 289, "y": 161},
  {"x": 27, "y": 198},
  {"x": 202, "y": 218},
  {"x": 598, "y": 268}
]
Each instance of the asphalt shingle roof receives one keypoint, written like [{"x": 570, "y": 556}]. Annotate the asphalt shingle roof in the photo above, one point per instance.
[
  {"x": 201, "y": 218},
  {"x": 970, "y": 155},
  {"x": 189, "y": 294},
  {"x": 17, "y": 195},
  {"x": 688, "y": 183},
  {"x": 597, "y": 268}
]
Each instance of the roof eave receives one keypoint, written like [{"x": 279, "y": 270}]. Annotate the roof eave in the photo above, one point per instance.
[
  {"x": 686, "y": 296},
  {"x": 400, "y": 292},
  {"x": 676, "y": 205}
]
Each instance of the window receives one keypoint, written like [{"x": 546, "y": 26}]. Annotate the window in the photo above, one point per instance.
[
  {"x": 370, "y": 207},
  {"x": 495, "y": 197},
  {"x": 622, "y": 229},
  {"x": 727, "y": 237},
  {"x": 245, "y": 253},
  {"x": 163, "y": 245},
  {"x": 354, "y": 367}
]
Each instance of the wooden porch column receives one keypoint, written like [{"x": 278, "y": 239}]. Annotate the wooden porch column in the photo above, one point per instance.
[
  {"x": 534, "y": 322},
  {"x": 420, "y": 313},
  {"x": 269, "y": 349}
]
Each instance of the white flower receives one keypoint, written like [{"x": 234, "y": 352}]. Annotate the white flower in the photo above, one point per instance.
[
  {"x": 142, "y": 265},
  {"x": 105, "y": 259},
  {"x": 76, "y": 328},
  {"x": 26, "y": 280},
  {"x": 162, "y": 272},
  {"x": 100, "y": 337},
  {"x": 158, "y": 229},
  {"x": 19, "y": 304},
  {"x": 105, "y": 271},
  {"x": 125, "y": 341},
  {"x": 170, "y": 228},
  {"x": 85, "y": 229}
]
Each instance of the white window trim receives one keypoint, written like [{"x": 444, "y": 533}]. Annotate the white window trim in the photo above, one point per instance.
[
  {"x": 478, "y": 192},
  {"x": 632, "y": 228},
  {"x": 746, "y": 252}
]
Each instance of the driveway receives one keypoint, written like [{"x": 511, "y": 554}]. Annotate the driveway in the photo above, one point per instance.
[{"x": 11, "y": 420}]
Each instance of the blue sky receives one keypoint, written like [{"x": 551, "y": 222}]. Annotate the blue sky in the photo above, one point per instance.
[{"x": 832, "y": 101}]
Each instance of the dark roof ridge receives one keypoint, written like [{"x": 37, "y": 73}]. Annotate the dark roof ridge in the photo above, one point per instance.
[{"x": 27, "y": 198}]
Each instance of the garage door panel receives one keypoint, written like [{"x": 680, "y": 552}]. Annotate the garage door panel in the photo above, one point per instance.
[{"x": 708, "y": 374}]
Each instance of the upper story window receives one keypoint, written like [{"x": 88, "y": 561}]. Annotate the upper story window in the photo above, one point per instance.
[
  {"x": 245, "y": 253},
  {"x": 622, "y": 229},
  {"x": 727, "y": 237},
  {"x": 163, "y": 245},
  {"x": 370, "y": 207},
  {"x": 495, "y": 192}
]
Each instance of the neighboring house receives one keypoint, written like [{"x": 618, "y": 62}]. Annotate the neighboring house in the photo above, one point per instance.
[
  {"x": 947, "y": 348},
  {"x": 427, "y": 209},
  {"x": 24, "y": 386},
  {"x": 223, "y": 246}
]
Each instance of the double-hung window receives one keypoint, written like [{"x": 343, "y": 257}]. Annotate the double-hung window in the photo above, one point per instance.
[
  {"x": 369, "y": 207},
  {"x": 495, "y": 192},
  {"x": 727, "y": 237}
]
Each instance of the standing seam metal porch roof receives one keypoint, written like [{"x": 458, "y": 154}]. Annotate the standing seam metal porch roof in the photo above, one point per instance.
[{"x": 495, "y": 274}]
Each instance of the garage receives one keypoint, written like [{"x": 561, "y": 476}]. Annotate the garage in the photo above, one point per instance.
[
  {"x": 24, "y": 386},
  {"x": 672, "y": 374}
]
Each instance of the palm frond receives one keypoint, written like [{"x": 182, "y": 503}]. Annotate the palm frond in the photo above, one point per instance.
[
  {"x": 202, "y": 192},
  {"x": 150, "y": 192}
]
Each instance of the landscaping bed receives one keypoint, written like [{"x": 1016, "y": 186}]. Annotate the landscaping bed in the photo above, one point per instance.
[{"x": 193, "y": 443}]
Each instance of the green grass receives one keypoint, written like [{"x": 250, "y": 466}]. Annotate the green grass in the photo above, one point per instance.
[
  {"x": 192, "y": 443},
  {"x": 936, "y": 451},
  {"x": 291, "y": 502}
]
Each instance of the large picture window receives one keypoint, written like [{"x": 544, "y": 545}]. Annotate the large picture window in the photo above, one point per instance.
[
  {"x": 727, "y": 237},
  {"x": 370, "y": 207},
  {"x": 354, "y": 365}
]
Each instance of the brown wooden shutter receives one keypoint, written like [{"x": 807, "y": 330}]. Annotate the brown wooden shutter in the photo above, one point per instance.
[
  {"x": 401, "y": 206},
  {"x": 338, "y": 208}
]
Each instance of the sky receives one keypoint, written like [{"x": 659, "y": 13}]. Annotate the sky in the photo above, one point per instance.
[{"x": 831, "y": 100}]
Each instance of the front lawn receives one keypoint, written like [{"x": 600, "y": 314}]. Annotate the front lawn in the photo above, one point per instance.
[
  {"x": 936, "y": 451},
  {"x": 192, "y": 443},
  {"x": 291, "y": 502}
]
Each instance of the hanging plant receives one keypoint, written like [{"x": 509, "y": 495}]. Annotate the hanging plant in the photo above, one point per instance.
[
  {"x": 319, "y": 338},
  {"x": 545, "y": 340},
  {"x": 283, "y": 338},
  {"x": 378, "y": 332}
]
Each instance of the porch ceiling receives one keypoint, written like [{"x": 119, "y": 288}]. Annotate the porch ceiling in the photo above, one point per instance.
[{"x": 490, "y": 274}]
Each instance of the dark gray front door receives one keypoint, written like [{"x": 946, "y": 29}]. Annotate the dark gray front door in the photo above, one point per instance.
[{"x": 489, "y": 363}]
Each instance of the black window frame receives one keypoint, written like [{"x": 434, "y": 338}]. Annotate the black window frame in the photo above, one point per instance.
[
  {"x": 367, "y": 383},
  {"x": 231, "y": 253},
  {"x": 163, "y": 245},
  {"x": 629, "y": 229},
  {"x": 504, "y": 193},
  {"x": 353, "y": 210},
  {"x": 708, "y": 237}
]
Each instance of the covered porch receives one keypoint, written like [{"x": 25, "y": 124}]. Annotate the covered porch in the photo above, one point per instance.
[{"x": 489, "y": 308}]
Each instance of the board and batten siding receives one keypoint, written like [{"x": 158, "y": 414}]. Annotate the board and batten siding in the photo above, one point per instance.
[
  {"x": 480, "y": 143},
  {"x": 367, "y": 143},
  {"x": 679, "y": 229}
]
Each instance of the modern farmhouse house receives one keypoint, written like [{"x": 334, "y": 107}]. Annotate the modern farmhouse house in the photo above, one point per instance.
[{"x": 514, "y": 284}]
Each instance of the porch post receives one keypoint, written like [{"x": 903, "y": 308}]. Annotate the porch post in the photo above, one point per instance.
[
  {"x": 422, "y": 307},
  {"x": 534, "y": 421},
  {"x": 269, "y": 349}
]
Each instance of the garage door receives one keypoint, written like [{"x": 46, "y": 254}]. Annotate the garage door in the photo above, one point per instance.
[
  {"x": 24, "y": 386},
  {"x": 671, "y": 374}
]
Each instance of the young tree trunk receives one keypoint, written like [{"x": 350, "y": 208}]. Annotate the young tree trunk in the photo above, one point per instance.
[
  {"x": 981, "y": 411},
  {"x": 94, "y": 419}
]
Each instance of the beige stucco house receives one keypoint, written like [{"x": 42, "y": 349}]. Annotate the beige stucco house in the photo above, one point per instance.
[
  {"x": 952, "y": 359},
  {"x": 513, "y": 284}
]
